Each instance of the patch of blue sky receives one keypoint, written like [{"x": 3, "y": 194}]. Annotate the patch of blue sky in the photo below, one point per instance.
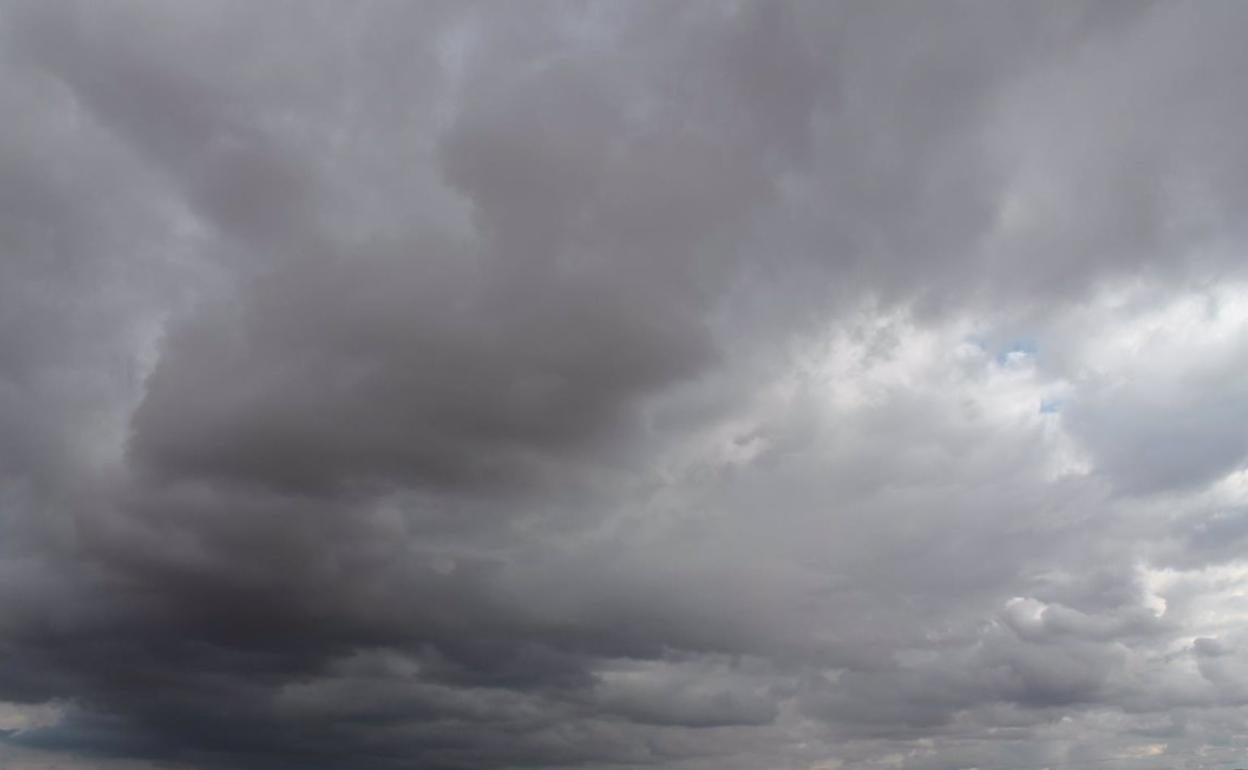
[{"x": 1018, "y": 349}]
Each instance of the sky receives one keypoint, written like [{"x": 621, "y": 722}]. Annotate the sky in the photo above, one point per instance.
[{"x": 608, "y": 385}]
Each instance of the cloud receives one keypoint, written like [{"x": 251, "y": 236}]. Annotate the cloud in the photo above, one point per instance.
[{"x": 744, "y": 385}]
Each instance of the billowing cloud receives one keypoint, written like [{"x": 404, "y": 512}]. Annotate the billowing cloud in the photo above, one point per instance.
[{"x": 706, "y": 385}]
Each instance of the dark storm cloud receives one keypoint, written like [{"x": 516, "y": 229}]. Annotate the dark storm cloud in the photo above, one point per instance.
[{"x": 690, "y": 385}]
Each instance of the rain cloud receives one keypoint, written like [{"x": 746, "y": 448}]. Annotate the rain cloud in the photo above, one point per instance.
[{"x": 734, "y": 385}]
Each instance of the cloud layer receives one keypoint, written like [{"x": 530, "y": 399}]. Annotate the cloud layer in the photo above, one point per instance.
[{"x": 701, "y": 385}]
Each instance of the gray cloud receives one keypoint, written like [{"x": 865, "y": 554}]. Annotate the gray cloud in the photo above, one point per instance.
[{"x": 797, "y": 385}]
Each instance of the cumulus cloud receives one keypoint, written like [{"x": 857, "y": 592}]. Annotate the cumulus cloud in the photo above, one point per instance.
[{"x": 703, "y": 385}]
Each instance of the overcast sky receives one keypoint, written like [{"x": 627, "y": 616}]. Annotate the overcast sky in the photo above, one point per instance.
[{"x": 677, "y": 385}]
